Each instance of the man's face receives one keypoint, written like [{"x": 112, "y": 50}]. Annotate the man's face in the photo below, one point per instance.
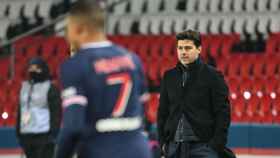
[
  {"x": 73, "y": 33},
  {"x": 187, "y": 52}
]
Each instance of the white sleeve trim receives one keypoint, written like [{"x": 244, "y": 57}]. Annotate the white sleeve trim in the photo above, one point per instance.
[
  {"x": 78, "y": 99},
  {"x": 144, "y": 97}
]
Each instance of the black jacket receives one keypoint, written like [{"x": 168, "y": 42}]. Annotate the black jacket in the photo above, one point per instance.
[{"x": 203, "y": 99}]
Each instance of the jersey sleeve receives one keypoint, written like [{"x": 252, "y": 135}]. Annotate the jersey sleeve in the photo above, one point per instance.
[
  {"x": 72, "y": 77},
  {"x": 74, "y": 102}
]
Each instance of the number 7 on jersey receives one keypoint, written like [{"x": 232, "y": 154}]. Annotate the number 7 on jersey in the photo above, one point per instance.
[{"x": 126, "y": 85}]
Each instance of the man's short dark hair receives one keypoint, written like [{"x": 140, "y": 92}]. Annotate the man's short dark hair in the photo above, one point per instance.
[
  {"x": 89, "y": 12},
  {"x": 190, "y": 35}
]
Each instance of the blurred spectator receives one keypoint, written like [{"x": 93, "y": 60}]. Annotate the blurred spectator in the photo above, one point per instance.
[{"x": 39, "y": 112}]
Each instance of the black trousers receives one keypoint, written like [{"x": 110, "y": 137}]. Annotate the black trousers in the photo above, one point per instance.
[
  {"x": 37, "y": 145},
  {"x": 39, "y": 150},
  {"x": 190, "y": 150}
]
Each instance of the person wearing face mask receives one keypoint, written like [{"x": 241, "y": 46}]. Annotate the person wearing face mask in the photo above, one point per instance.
[
  {"x": 194, "y": 110},
  {"x": 38, "y": 112}
]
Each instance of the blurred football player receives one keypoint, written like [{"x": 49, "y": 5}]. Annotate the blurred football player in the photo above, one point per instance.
[{"x": 104, "y": 88}]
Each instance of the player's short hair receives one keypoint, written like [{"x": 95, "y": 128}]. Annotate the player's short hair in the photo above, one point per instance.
[
  {"x": 89, "y": 12},
  {"x": 190, "y": 35}
]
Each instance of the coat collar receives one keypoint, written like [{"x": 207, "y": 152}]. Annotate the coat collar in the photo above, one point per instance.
[{"x": 190, "y": 67}]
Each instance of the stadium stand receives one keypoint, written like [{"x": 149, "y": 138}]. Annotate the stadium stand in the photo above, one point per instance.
[
  {"x": 252, "y": 77},
  {"x": 19, "y": 16},
  {"x": 241, "y": 36}
]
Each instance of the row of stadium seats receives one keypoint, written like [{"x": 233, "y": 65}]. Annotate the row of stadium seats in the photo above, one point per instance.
[
  {"x": 255, "y": 109},
  {"x": 54, "y": 50},
  {"x": 13, "y": 9},
  {"x": 252, "y": 78},
  {"x": 17, "y": 12},
  {"x": 194, "y": 6},
  {"x": 4, "y": 68},
  {"x": 165, "y": 45},
  {"x": 250, "y": 65},
  {"x": 19, "y": 16},
  {"x": 226, "y": 18},
  {"x": 247, "y": 87},
  {"x": 9, "y": 92},
  {"x": 265, "y": 110},
  {"x": 160, "y": 51},
  {"x": 214, "y": 23},
  {"x": 248, "y": 75}
]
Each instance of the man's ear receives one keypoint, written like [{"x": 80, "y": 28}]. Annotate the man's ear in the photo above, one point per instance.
[{"x": 199, "y": 49}]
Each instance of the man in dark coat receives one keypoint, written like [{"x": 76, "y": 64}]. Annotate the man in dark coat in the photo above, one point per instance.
[{"x": 194, "y": 110}]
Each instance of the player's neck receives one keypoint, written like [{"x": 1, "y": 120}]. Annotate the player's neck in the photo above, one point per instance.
[{"x": 96, "y": 37}]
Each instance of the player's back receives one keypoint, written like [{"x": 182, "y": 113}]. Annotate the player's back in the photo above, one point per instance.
[{"x": 112, "y": 81}]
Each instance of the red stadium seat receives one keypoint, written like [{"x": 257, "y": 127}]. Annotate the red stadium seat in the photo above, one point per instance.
[
  {"x": 272, "y": 44},
  {"x": 246, "y": 66},
  {"x": 215, "y": 46},
  {"x": 153, "y": 73},
  {"x": 4, "y": 68},
  {"x": 227, "y": 44},
  {"x": 54, "y": 66},
  {"x": 134, "y": 44},
  {"x": 168, "y": 48},
  {"x": 10, "y": 112},
  {"x": 252, "y": 107},
  {"x": 205, "y": 42},
  {"x": 48, "y": 48},
  {"x": 112, "y": 38},
  {"x": 20, "y": 68},
  {"x": 245, "y": 86},
  {"x": 238, "y": 110},
  {"x": 271, "y": 67},
  {"x": 258, "y": 87},
  {"x": 21, "y": 45},
  {"x": 233, "y": 67},
  {"x": 33, "y": 50},
  {"x": 143, "y": 50},
  {"x": 3, "y": 94},
  {"x": 155, "y": 49},
  {"x": 221, "y": 64},
  {"x": 233, "y": 84},
  {"x": 272, "y": 85},
  {"x": 276, "y": 110},
  {"x": 62, "y": 48},
  {"x": 120, "y": 40},
  {"x": 1, "y": 119},
  {"x": 265, "y": 111},
  {"x": 152, "y": 107},
  {"x": 258, "y": 67}
]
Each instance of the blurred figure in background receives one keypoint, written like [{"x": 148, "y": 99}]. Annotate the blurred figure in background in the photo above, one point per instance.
[
  {"x": 103, "y": 91},
  {"x": 39, "y": 112}
]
